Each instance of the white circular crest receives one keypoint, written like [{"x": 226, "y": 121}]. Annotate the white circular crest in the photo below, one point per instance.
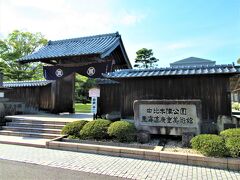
[
  {"x": 59, "y": 73},
  {"x": 91, "y": 71}
]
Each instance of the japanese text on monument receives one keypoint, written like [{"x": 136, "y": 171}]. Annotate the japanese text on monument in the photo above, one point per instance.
[{"x": 172, "y": 115}]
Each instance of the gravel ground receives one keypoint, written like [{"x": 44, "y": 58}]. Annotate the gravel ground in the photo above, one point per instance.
[
  {"x": 170, "y": 145},
  {"x": 152, "y": 142},
  {"x": 150, "y": 145},
  {"x": 176, "y": 146}
]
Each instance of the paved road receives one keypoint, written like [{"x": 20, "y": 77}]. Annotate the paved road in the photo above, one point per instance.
[
  {"x": 111, "y": 166},
  {"x": 12, "y": 170}
]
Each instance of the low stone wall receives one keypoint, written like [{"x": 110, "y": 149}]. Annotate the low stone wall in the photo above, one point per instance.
[
  {"x": 10, "y": 108},
  {"x": 155, "y": 155},
  {"x": 2, "y": 114}
]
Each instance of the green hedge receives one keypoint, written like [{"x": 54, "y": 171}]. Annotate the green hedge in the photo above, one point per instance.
[
  {"x": 232, "y": 141},
  {"x": 123, "y": 131},
  {"x": 96, "y": 129},
  {"x": 235, "y": 132},
  {"x": 233, "y": 146},
  {"x": 209, "y": 144},
  {"x": 73, "y": 128}
]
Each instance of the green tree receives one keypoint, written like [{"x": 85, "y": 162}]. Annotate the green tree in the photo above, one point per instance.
[
  {"x": 82, "y": 85},
  {"x": 145, "y": 59},
  {"x": 238, "y": 61},
  {"x": 15, "y": 46}
]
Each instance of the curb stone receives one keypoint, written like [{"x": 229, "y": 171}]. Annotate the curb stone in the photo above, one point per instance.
[{"x": 146, "y": 154}]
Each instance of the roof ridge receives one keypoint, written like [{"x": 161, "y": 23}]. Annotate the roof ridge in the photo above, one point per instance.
[
  {"x": 27, "y": 81},
  {"x": 169, "y": 71},
  {"x": 177, "y": 68},
  {"x": 84, "y": 37}
]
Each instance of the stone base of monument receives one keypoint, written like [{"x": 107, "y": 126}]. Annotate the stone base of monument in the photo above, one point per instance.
[
  {"x": 174, "y": 131},
  {"x": 143, "y": 137},
  {"x": 186, "y": 138},
  {"x": 169, "y": 117}
]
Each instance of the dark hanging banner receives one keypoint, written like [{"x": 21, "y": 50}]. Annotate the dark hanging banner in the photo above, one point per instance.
[{"x": 93, "y": 70}]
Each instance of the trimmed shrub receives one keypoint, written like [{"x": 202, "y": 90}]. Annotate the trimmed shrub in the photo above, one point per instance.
[
  {"x": 209, "y": 145},
  {"x": 73, "y": 128},
  {"x": 232, "y": 141},
  {"x": 234, "y": 132},
  {"x": 96, "y": 129},
  {"x": 123, "y": 131},
  {"x": 233, "y": 146}
]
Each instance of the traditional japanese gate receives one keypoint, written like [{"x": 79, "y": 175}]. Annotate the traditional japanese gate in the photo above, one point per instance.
[{"x": 90, "y": 56}]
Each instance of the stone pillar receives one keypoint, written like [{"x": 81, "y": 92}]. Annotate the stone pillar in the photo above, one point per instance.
[
  {"x": 1, "y": 79},
  {"x": 2, "y": 114}
]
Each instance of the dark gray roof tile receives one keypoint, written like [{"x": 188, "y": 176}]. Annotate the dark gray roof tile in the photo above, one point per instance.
[
  {"x": 174, "y": 71},
  {"x": 102, "y": 81},
  {"x": 26, "y": 83},
  {"x": 101, "y": 45}
]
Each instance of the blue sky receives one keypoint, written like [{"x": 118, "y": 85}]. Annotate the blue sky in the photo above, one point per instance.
[{"x": 174, "y": 29}]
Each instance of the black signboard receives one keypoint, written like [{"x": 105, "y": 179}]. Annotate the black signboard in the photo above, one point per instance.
[{"x": 93, "y": 70}]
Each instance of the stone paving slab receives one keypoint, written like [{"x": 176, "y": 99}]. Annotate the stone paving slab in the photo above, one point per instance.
[
  {"x": 112, "y": 166},
  {"x": 29, "y": 141}
]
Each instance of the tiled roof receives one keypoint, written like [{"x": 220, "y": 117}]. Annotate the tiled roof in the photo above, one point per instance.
[
  {"x": 26, "y": 83},
  {"x": 101, "y": 45},
  {"x": 174, "y": 71},
  {"x": 102, "y": 81},
  {"x": 193, "y": 61}
]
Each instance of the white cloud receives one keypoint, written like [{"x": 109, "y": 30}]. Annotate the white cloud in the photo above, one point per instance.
[
  {"x": 131, "y": 18},
  {"x": 59, "y": 19},
  {"x": 45, "y": 5},
  {"x": 178, "y": 45}
]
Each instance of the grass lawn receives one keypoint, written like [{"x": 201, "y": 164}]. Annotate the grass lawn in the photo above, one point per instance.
[{"x": 83, "y": 108}]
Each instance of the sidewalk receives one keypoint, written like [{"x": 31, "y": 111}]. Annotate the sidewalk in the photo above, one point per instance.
[
  {"x": 53, "y": 117},
  {"x": 28, "y": 141},
  {"x": 111, "y": 166}
]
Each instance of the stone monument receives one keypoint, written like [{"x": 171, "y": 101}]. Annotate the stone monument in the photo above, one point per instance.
[
  {"x": 7, "y": 107},
  {"x": 2, "y": 99},
  {"x": 169, "y": 117}
]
